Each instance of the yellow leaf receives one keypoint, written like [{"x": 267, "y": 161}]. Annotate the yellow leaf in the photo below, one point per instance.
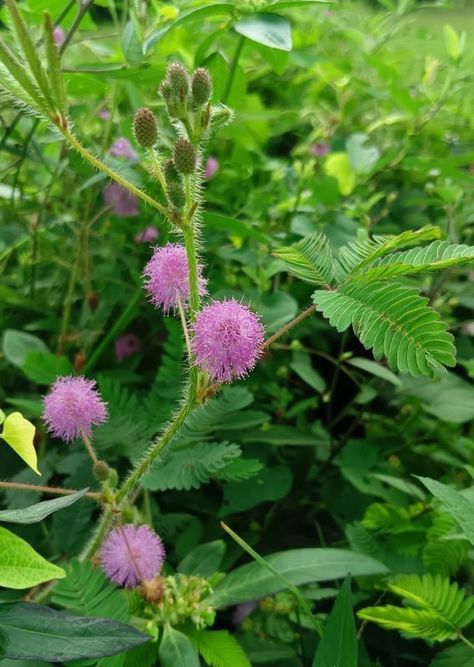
[
  {"x": 18, "y": 432},
  {"x": 339, "y": 166}
]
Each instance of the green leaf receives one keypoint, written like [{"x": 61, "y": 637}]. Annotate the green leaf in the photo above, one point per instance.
[
  {"x": 39, "y": 511},
  {"x": 16, "y": 344},
  {"x": 268, "y": 29},
  {"x": 413, "y": 622},
  {"x": 338, "y": 647},
  {"x": 458, "y": 655},
  {"x": 299, "y": 566},
  {"x": 176, "y": 650},
  {"x": 19, "y": 433},
  {"x": 239, "y": 470},
  {"x": 303, "y": 367},
  {"x": 454, "y": 43},
  {"x": 131, "y": 47},
  {"x": 45, "y": 367},
  {"x": 219, "y": 648},
  {"x": 203, "y": 560},
  {"x": 269, "y": 484},
  {"x": 459, "y": 507},
  {"x": 434, "y": 257},
  {"x": 449, "y": 398},
  {"x": 200, "y": 14},
  {"x": 86, "y": 590},
  {"x": 19, "y": 73},
  {"x": 338, "y": 165},
  {"x": 55, "y": 76},
  {"x": 20, "y": 565},
  {"x": 233, "y": 226},
  {"x": 376, "y": 369},
  {"x": 394, "y": 321},
  {"x": 310, "y": 259},
  {"x": 36, "y": 632},
  {"x": 363, "y": 158}
]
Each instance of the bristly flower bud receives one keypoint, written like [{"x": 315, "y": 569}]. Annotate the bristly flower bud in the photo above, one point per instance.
[
  {"x": 221, "y": 115},
  {"x": 165, "y": 90},
  {"x": 201, "y": 86},
  {"x": 145, "y": 127},
  {"x": 171, "y": 174},
  {"x": 176, "y": 194},
  {"x": 185, "y": 156},
  {"x": 178, "y": 80},
  {"x": 101, "y": 471}
]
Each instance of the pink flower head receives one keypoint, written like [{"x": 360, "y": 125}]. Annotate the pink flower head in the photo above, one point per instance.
[
  {"x": 127, "y": 345},
  {"x": 105, "y": 114},
  {"x": 212, "y": 165},
  {"x": 228, "y": 339},
  {"x": 167, "y": 277},
  {"x": 132, "y": 554},
  {"x": 72, "y": 407},
  {"x": 123, "y": 203},
  {"x": 147, "y": 235},
  {"x": 59, "y": 36},
  {"x": 320, "y": 149},
  {"x": 123, "y": 148}
]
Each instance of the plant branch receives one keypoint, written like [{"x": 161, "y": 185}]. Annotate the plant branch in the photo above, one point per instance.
[
  {"x": 53, "y": 490},
  {"x": 299, "y": 318}
]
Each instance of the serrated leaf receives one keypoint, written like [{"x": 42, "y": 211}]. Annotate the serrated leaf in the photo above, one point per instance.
[
  {"x": 338, "y": 647},
  {"x": 239, "y": 470},
  {"x": 394, "y": 321},
  {"x": 310, "y": 259},
  {"x": 21, "y": 566},
  {"x": 39, "y": 511},
  {"x": 19, "y": 433},
  {"x": 219, "y": 648},
  {"x": 36, "y": 632}
]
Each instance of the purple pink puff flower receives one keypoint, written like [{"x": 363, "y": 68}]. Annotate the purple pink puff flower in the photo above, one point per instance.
[
  {"x": 147, "y": 235},
  {"x": 132, "y": 554},
  {"x": 126, "y": 345},
  {"x": 166, "y": 277},
  {"x": 72, "y": 407},
  {"x": 228, "y": 340},
  {"x": 123, "y": 148},
  {"x": 212, "y": 166},
  {"x": 123, "y": 203}
]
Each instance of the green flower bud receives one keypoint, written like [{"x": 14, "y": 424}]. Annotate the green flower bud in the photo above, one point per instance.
[
  {"x": 185, "y": 156},
  {"x": 145, "y": 127},
  {"x": 178, "y": 79},
  {"x": 201, "y": 86},
  {"x": 221, "y": 115},
  {"x": 176, "y": 194},
  {"x": 165, "y": 90},
  {"x": 102, "y": 471},
  {"x": 171, "y": 174}
]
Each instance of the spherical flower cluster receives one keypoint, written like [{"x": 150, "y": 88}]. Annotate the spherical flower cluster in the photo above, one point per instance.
[
  {"x": 228, "y": 340},
  {"x": 123, "y": 148},
  {"x": 72, "y": 407},
  {"x": 147, "y": 235},
  {"x": 126, "y": 345},
  {"x": 212, "y": 166},
  {"x": 167, "y": 277},
  {"x": 123, "y": 203},
  {"x": 132, "y": 554}
]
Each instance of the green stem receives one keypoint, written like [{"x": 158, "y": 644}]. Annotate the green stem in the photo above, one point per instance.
[
  {"x": 465, "y": 640},
  {"x": 101, "y": 166},
  {"x": 155, "y": 450},
  {"x": 68, "y": 302},
  {"x": 102, "y": 529},
  {"x": 156, "y": 168},
  {"x": 299, "y": 318},
  {"x": 233, "y": 68}
]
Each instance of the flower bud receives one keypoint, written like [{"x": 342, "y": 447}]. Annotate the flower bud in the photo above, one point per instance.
[
  {"x": 171, "y": 174},
  {"x": 201, "y": 86},
  {"x": 101, "y": 471},
  {"x": 176, "y": 194},
  {"x": 221, "y": 115},
  {"x": 178, "y": 79},
  {"x": 185, "y": 156},
  {"x": 145, "y": 127}
]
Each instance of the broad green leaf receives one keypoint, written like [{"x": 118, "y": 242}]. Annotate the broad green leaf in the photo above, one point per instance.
[
  {"x": 376, "y": 369},
  {"x": 131, "y": 46},
  {"x": 176, "y": 649},
  {"x": 219, "y": 648},
  {"x": 289, "y": 4},
  {"x": 338, "y": 647},
  {"x": 204, "y": 560},
  {"x": 19, "y": 433},
  {"x": 460, "y": 508},
  {"x": 45, "y": 367},
  {"x": 299, "y": 566},
  {"x": 458, "y": 655},
  {"x": 362, "y": 157},
  {"x": 338, "y": 165},
  {"x": 449, "y": 398},
  {"x": 35, "y": 632},
  {"x": 454, "y": 43},
  {"x": 232, "y": 226},
  {"x": 200, "y": 14},
  {"x": 303, "y": 367},
  {"x": 268, "y": 29},
  {"x": 17, "y": 343},
  {"x": 39, "y": 511},
  {"x": 270, "y": 484},
  {"x": 20, "y": 565}
]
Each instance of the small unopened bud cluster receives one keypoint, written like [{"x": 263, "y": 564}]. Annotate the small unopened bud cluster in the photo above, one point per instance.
[
  {"x": 179, "y": 599},
  {"x": 145, "y": 127}
]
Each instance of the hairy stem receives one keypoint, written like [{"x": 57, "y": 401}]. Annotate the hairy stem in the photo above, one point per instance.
[
  {"x": 101, "y": 166},
  {"x": 98, "y": 537},
  {"x": 90, "y": 449},
  {"x": 299, "y": 318},
  {"x": 53, "y": 490}
]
